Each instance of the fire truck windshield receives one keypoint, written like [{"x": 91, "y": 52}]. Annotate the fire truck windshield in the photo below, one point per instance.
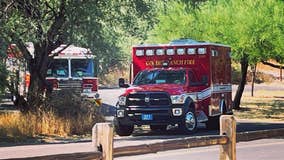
[
  {"x": 82, "y": 68},
  {"x": 58, "y": 68},
  {"x": 79, "y": 68},
  {"x": 160, "y": 77}
]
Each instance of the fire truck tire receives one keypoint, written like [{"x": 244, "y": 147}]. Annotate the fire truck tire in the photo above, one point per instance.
[
  {"x": 123, "y": 130},
  {"x": 213, "y": 123},
  {"x": 189, "y": 123},
  {"x": 158, "y": 127}
]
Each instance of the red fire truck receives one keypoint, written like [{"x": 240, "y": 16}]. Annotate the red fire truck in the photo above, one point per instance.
[
  {"x": 181, "y": 83},
  {"x": 72, "y": 68}
]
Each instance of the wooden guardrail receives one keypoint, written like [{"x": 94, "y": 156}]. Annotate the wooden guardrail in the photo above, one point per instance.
[
  {"x": 170, "y": 145},
  {"x": 227, "y": 139},
  {"x": 102, "y": 140}
]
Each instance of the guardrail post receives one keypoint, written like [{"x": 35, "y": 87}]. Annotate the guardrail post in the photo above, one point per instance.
[
  {"x": 228, "y": 127},
  {"x": 102, "y": 139}
]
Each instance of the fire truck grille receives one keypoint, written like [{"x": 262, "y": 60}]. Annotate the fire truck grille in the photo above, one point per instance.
[
  {"x": 148, "y": 99},
  {"x": 75, "y": 85}
]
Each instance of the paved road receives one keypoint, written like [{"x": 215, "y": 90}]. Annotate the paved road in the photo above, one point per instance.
[
  {"x": 264, "y": 149},
  {"x": 139, "y": 137},
  {"x": 109, "y": 97}
]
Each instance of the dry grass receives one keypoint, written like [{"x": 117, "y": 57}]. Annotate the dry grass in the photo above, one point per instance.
[
  {"x": 18, "y": 126},
  {"x": 76, "y": 117},
  {"x": 265, "y": 105}
]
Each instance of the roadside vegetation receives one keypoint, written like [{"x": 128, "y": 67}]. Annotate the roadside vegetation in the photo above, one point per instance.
[
  {"x": 3, "y": 77},
  {"x": 17, "y": 126},
  {"x": 66, "y": 116},
  {"x": 106, "y": 27},
  {"x": 253, "y": 28},
  {"x": 265, "y": 105}
]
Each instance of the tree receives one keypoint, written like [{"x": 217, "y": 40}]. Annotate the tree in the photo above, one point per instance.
[
  {"x": 3, "y": 71},
  {"x": 253, "y": 28},
  {"x": 3, "y": 77},
  {"x": 48, "y": 23}
]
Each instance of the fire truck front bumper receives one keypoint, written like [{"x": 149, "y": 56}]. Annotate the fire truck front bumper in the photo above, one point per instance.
[
  {"x": 150, "y": 116},
  {"x": 93, "y": 96},
  {"x": 90, "y": 95}
]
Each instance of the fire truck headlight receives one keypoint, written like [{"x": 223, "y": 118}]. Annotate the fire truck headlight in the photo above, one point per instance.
[
  {"x": 120, "y": 113},
  {"x": 97, "y": 95},
  {"x": 178, "y": 99},
  {"x": 87, "y": 90},
  {"x": 122, "y": 100},
  {"x": 177, "y": 111}
]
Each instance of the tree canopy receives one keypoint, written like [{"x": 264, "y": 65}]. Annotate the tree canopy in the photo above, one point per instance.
[
  {"x": 253, "y": 28},
  {"x": 100, "y": 25}
]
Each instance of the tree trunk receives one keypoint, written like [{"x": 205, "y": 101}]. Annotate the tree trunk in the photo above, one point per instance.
[
  {"x": 253, "y": 79},
  {"x": 281, "y": 73},
  {"x": 36, "y": 91},
  {"x": 37, "y": 78},
  {"x": 241, "y": 87},
  {"x": 46, "y": 40}
]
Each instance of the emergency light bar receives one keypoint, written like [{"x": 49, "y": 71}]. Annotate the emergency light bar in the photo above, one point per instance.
[
  {"x": 149, "y": 52},
  {"x": 140, "y": 52},
  {"x": 160, "y": 52},
  {"x": 201, "y": 51},
  {"x": 170, "y": 51},
  {"x": 191, "y": 51},
  {"x": 181, "y": 51}
]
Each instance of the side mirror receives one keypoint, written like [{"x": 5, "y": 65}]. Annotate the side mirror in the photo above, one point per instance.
[{"x": 121, "y": 83}]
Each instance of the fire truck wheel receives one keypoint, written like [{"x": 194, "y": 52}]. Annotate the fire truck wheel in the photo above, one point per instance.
[
  {"x": 123, "y": 130},
  {"x": 213, "y": 123},
  {"x": 189, "y": 123},
  {"x": 158, "y": 127}
]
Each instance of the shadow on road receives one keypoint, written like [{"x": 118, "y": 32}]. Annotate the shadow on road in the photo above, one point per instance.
[
  {"x": 173, "y": 133},
  {"x": 141, "y": 133},
  {"x": 107, "y": 110},
  {"x": 254, "y": 126}
]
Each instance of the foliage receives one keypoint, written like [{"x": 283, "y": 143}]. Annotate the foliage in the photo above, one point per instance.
[
  {"x": 3, "y": 77},
  {"x": 253, "y": 28},
  {"x": 82, "y": 114},
  {"x": 3, "y": 71},
  {"x": 107, "y": 27},
  {"x": 96, "y": 24},
  {"x": 64, "y": 116}
]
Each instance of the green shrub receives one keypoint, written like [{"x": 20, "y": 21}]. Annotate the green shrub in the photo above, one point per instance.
[
  {"x": 64, "y": 114},
  {"x": 3, "y": 77},
  {"x": 81, "y": 113}
]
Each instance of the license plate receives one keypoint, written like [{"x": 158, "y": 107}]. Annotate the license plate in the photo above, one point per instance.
[{"x": 147, "y": 117}]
